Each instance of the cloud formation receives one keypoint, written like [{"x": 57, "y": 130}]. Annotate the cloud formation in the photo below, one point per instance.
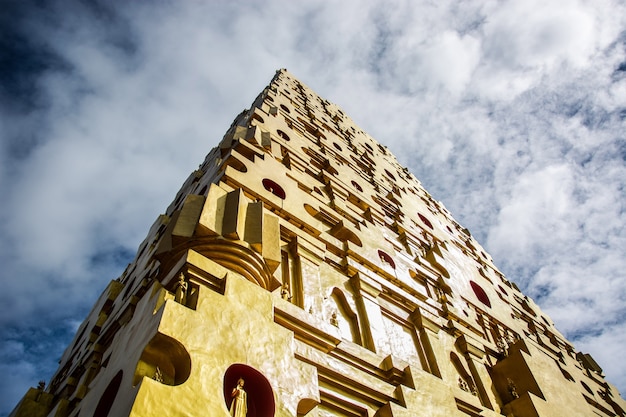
[{"x": 510, "y": 113}]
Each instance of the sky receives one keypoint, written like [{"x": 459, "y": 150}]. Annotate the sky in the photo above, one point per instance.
[{"x": 512, "y": 113}]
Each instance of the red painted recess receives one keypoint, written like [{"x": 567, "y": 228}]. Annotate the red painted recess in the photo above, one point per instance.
[
  {"x": 274, "y": 188},
  {"x": 425, "y": 220},
  {"x": 480, "y": 294},
  {"x": 258, "y": 389},
  {"x": 386, "y": 258}
]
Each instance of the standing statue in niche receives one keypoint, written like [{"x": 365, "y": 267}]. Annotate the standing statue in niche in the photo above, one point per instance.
[
  {"x": 333, "y": 319},
  {"x": 181, "y": 290},
  {"x": 239, "y": 406},
  {"x": 285, "y": 293}
]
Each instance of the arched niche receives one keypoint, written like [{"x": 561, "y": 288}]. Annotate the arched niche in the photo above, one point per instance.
[
  {"x": 260, "y": 396},
  {"x": 165, "y": 360},
  {"x": 480, "y": 294},
  {"x": 108, "y": 396},
  {"x": 386, "y": 258},
  {"x": 346, "y": 319},
  {"x": 274, "y": 188},
  {"x": 344, "y": 234},
  {"x": 312, "y": 211}
]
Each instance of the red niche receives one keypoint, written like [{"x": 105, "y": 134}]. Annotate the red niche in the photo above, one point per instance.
[
  {"x": 425, "y": 220},
  {"x": 274, "y": 188},
  {"x": 259, "y": 394},
  {"x": 386, "y": 258},
  {"x": 480, "y": 294}
]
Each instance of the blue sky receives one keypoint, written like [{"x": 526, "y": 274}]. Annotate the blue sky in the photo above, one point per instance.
[{"x": 511, "y": 113}]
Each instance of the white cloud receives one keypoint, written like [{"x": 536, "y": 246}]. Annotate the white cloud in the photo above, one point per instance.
[
  {"x": 540, "y": 34},
  {"x": 522, "y": 226}
]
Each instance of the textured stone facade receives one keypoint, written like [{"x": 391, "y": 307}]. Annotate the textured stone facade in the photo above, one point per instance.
[{"x": 303, "y": 259}]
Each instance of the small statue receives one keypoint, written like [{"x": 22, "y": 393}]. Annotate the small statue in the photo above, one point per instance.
[
  {"x": 333, "y": 319},
  {"x": 512, "y": 388},
  {"x": 441, "y": 295},
  {"x": 239, "y": 406},
  {"x": 181, "y": 289},
  {"x": 285, "y": 294},
  {"x": 40, "y": 387},
  {"x": 158, "y": 375}
]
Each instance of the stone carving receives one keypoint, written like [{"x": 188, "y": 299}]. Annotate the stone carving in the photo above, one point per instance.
[
  {"x": 463, "y": 385},
  {"x": 467, "y": 387},
  {"x": 239, "y": 406},
  {"x": 503, "y": 346},
  {"x": 333, "y": 319},
  {"x": 512, "y": 388}
]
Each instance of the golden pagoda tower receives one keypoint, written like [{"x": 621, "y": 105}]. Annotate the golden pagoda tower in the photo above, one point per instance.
[{"x": 301, "y": 271}]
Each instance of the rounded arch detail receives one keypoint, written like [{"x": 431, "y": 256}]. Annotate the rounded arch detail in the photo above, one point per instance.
[
  {"x": 165, "y": 360},
  {"x": 259, "y": 396},
  {"x": 230, "y": 255}
]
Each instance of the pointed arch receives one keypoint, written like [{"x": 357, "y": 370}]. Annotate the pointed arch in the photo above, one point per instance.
[
  {"x": 347, "y": 319},
  {"x": 463, "y": 373}
]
